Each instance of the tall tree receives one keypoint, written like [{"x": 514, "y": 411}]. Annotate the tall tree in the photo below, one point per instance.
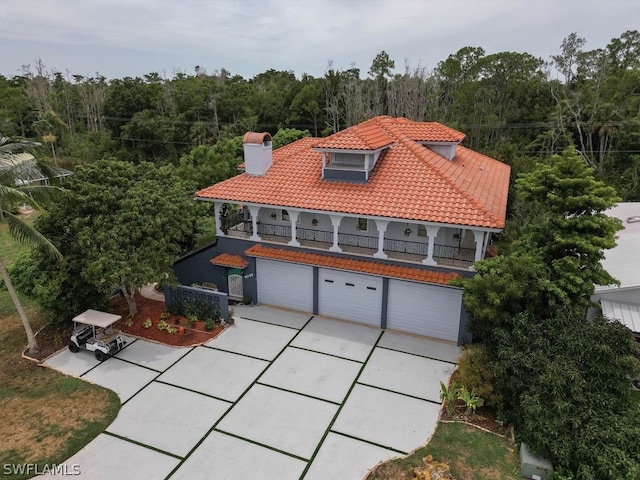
[
  {"x": 567, "y": 226},
  {"x": 128, "y": 223},
  {"x": 30, "y": 195}
]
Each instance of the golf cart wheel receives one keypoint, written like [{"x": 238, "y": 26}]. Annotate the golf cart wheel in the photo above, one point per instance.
[
  {"x": 101, "y": 356},
  {"x": 73, "y": 347}
]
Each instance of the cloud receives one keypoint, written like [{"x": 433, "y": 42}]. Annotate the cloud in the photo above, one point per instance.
[{"x": 249, "y": 36}]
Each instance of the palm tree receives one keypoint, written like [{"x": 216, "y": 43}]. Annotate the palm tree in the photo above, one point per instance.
[{"x": 12, "y": 193}]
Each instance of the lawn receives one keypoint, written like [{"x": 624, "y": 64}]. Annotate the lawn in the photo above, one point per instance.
[
  {"x": 472, "y": 454},
  {"x": 46, "y": 417}
]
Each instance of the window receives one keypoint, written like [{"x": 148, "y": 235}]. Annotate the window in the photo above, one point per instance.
[
  {"x": 285, "y": 216},
  {"x": 362, "y": 224},
  {"x": 422, "y": 231}
]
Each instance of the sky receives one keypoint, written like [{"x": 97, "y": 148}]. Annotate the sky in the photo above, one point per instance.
[{"x": 119, "y": 38}]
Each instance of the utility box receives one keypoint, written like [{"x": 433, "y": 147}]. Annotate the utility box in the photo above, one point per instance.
[{"x": 533, "y": 467}]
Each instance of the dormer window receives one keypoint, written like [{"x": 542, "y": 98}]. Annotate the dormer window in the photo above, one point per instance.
[
  {"x": 349, "y": 165},
  {"x": 353, "y": 161}
]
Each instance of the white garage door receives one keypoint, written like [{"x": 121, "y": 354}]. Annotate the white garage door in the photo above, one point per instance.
[
  {"x": 352, "y": 296},
  {"x": 424, "y": 309},
  {"x": 285, "y": 284}
]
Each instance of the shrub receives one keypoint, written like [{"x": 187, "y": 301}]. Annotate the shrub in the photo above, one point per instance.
[
  {"x": 471, "y": 400},
  {"x": 146, "y": 323},
  {"x": 209, "y": 324},
  {"x": 176, "y": 307},
  {"x": 58, "y": 287},
  {"x": 569, "y": 382},
  {"x": 162, "y": 325},
  {"x": 474, "y": 374},
  {"x": 449, "y": 396}
]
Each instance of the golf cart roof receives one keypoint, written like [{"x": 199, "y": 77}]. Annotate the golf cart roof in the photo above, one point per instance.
[{"x": 97, "y": 319}]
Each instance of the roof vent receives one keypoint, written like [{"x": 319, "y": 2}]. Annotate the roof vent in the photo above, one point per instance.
[
  {"x": 258, "y": 153},
  {"x": 634, "y": 219}
]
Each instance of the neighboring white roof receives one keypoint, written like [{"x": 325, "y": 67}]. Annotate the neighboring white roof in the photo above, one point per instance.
[
  {"x": 623, "y": 261},
  {"x": 626, "y": 313},
  {"x": 26, "y": 170},
  {"x": 97, "y": 319}
]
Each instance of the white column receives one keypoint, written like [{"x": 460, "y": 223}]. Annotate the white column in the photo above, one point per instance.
[
  {"x": 335, "y": 221},
  {"x": 478, "y": 235},
  {"x": 254, "y": 222},
  {"x": 217, "y": 206},
  {"x": 381, "y": 225},
  {"x": 293, "y": 217},
  {"x": 431, "y": 232}
]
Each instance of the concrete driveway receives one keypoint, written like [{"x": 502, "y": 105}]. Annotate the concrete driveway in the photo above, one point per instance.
[{"x": 280, "y": 395}]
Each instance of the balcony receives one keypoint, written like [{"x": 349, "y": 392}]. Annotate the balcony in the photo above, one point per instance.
[{"x": 410, "y": 251}]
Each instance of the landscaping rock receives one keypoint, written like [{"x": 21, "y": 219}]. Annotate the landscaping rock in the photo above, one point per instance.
[{"x": 432, "y": 470}]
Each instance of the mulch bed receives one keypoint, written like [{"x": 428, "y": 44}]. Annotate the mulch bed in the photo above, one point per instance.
[
  {"x": 53, "y": 337},
  {"x": 152, "y": 309},
  {"x": 483, "y": 417}
]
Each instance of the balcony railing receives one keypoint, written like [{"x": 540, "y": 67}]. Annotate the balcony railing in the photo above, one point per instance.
[{"x": 359, "y": 243}]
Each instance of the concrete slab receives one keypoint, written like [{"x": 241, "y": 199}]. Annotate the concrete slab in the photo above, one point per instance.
[
  {"x": 406, "y": 373},
  {"x": 343, "y": 458},
  {"x": 74, "y": 364},
  {"x": 107, "y": 457},
  {"x": 123, "y": 378},
  {"x": 420, "y": 346},
  {"x": 387, "y": 419},
  {"x": 282, "y": 420},
  {"x": 221, "y": 456},
  {"x": 152, "y": 355},
  {"x": 313, "y": 374},
  {"x": 343, "y": 339},
  {"x": 213, "y": 372},
  {"x": 254, "y": 338},
  {"x": 277, "y": 316},
  {"x": 168, "y": 418}
]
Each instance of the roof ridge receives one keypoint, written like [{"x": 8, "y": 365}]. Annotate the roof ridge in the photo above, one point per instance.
[{"x": 420, "y": 152}]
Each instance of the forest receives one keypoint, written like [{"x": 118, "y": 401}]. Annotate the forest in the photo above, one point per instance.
[{"x": 512, "y": 106}]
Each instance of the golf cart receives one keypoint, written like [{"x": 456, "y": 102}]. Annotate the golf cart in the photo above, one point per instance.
[{"x": 93, "y": 331}]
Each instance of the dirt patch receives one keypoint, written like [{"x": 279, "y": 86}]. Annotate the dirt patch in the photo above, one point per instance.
[
  {"x": 47, "y": 423},
  {"x": 152, "y": 309},
  {"x": 483, "y": 418}
]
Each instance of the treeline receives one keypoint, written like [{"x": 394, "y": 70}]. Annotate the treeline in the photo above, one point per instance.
[{"x": 511, "y": 105}]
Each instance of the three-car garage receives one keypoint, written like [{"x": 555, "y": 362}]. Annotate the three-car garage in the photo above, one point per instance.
[{"x": 408, "y": 306}]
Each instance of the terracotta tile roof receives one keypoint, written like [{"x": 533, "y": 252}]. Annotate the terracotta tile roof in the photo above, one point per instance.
[
  {"x": 365, "y": 136},
  {"x": 362, "y": 266},
  {"x": 428, "y": 131},
  {"x": 227, "y": 260},
  {"x": 410, "y": 181},
  {"x": 254, "y": 137}
]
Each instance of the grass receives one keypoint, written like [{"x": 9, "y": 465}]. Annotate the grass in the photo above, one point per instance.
[
  {"x": 47, "y": 416},
  {"x": 472, "y": 454}
]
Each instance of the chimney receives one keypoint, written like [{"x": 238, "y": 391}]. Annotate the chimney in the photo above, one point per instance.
[{"x": 257, "y": 153}]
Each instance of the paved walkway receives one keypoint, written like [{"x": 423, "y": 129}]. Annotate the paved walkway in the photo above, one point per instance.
[
  {"x": 280, "y": 395},
  {"x": 149, "y": 291}
]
